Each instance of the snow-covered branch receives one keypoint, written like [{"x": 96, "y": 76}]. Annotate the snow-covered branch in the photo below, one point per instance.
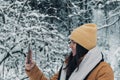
[{"x": 108, "y": 25}]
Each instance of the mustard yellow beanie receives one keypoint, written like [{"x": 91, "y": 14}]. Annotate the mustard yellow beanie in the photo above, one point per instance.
[{"x": 85, "y": 35}]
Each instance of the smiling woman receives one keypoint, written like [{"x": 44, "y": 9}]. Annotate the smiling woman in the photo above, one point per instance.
[
  {"x": 84, "y": 63},
  {"x": 73, "y": 47}
]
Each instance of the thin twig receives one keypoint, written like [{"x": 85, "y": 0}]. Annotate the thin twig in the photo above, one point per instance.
[
  {"x": 3, "y": 16},
  {"x": 105, "y": 26},
  {"x": 21, "y": 11}
]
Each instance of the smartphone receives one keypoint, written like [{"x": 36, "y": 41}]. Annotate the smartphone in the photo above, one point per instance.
[{"x": 29, "y": 54}]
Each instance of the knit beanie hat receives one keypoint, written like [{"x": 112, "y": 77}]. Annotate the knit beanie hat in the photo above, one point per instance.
[{"x": 85, "y": 35}]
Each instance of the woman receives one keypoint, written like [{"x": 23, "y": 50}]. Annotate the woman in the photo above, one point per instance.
[{"x": 84, "y": 63}]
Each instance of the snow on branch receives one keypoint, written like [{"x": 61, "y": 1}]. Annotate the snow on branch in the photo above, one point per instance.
[
  {"x": 3, "y": 16},
  {"x": 21, "y": 11},
  {"x": 108, "y": 25}
]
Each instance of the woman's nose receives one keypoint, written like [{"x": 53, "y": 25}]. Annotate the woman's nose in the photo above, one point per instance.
[{"x": 70, "y": 45}]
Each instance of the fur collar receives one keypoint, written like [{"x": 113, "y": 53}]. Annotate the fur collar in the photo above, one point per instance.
[{"x": 90, "y": 60}]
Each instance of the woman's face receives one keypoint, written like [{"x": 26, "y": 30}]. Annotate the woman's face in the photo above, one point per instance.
[{"x": 73, "y": 47}]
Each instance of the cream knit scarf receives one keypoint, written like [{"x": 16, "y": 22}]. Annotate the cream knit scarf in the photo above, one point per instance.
[{"x": 91, "y": 59}]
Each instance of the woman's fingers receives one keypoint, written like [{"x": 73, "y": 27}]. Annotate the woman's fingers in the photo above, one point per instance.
[{"x": 29, "y": 66}]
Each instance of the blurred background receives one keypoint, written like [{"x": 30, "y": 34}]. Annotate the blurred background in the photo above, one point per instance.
[{"x": 46, "y": 25}]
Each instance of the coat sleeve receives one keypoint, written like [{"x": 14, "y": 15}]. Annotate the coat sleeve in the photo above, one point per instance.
[
  {"x": 105, "y": 73},
  {"x": 54, "y": 77},
  {"x": 37, "y": 74}
]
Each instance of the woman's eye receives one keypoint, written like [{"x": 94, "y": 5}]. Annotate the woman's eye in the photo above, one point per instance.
[{"x": 69, "y": 41}]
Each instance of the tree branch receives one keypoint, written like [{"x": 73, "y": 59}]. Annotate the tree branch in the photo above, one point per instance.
[
  {"x": 21, "y": 11},
  {"x": 3, "y": 16},
  {"x": 8, "y": 54},
  {"x": 105, "y": 26}
]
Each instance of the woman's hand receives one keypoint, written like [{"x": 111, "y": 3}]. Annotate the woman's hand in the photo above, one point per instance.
[{"x": 29, "y": 63}]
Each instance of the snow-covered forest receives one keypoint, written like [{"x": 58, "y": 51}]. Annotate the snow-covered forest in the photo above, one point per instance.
[{"x": 46, "y": 25}]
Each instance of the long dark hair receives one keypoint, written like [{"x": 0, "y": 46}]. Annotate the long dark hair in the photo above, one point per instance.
[{"x": 74, "y": 61}]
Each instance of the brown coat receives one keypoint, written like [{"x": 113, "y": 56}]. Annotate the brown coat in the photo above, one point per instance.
[{"x": 102, "y": 72}]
